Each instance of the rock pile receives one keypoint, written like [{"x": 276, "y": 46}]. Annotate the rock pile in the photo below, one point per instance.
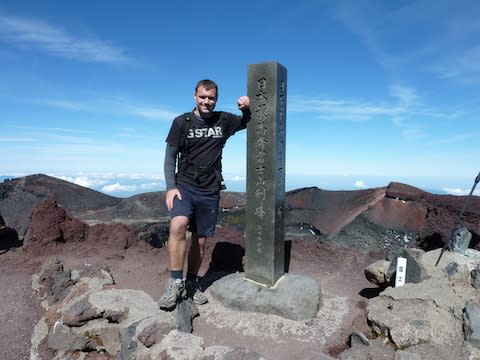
[
  {"x": 87, "y": 317},
  {"x": 435, "y": 315}
]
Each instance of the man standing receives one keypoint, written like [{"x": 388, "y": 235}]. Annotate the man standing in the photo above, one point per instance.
[{"x": 193, "y": 175}]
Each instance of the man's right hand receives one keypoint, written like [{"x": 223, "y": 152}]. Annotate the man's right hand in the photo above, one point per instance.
[{"x": 170, "y": 196}]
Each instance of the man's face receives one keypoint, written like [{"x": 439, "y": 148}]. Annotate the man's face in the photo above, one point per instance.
[{"x": 205, "y": 101}]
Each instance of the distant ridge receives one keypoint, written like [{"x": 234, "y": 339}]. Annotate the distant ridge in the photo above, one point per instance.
[
  {"x": 336, "y": 215},
  {"x": 19, "y": 195}
]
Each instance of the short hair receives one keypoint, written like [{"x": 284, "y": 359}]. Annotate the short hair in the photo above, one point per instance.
[{"x": 207, "y": 84}]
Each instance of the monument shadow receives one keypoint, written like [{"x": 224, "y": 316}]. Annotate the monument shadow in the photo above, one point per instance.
[{"x": 228, "y": 258}]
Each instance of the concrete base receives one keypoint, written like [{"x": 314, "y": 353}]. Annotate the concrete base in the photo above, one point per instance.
[{"x": 294, "y": 297}]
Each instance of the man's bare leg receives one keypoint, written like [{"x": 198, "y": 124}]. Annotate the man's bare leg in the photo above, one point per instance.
[
  {"x": 195, "y": 254},
  {"x": 195, "y": 257},
  {"x": 177, "y": 242},
  {"x": 177, "y": 247}
]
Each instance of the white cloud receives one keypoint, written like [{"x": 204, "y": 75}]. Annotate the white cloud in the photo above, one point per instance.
[
  {"x": 26, "y": 33},
  {"x": 103, "y": 178},
  {"x": 460, "y": 192},
  {"x": 128, "y": 183},
  {"x": 455, "y": 191},
  {"x": 360, "y": 184},
  {"x": 139, "y": 176},
  {"x": 86, "y": 181},
  {"x": 234, "y": 178},
  {"x": 117, "y": 187}
]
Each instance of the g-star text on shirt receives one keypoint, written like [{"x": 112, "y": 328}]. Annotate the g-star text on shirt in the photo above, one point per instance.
[{"x": 213, "y": 132}]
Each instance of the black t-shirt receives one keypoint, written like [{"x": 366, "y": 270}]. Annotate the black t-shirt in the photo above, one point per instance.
[{"x": 200, "y": 165}]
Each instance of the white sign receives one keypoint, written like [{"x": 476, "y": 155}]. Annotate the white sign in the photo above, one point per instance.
[{"x": 401, "y": 271}]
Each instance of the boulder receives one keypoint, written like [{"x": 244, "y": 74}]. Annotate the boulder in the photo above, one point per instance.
[
  {"x": 294, "y": 297},
  {"x": 408, "y": 322},
  {"x": 415, "y": 271},
  {"x": 463, "y": 268},
  {"x": 475, "y": 276},
  {"x": 376, "y": 273},
  {"x": 471, "y": 318}
]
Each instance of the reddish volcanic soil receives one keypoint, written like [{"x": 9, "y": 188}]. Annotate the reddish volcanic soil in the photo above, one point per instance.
[{"x": 339, "y": 272}]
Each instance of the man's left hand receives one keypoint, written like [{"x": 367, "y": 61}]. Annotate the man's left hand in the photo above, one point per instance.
[{"x": 243, "y": 102}]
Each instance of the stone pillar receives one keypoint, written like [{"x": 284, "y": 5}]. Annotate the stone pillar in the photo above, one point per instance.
[{"x": 265, "y": 218}]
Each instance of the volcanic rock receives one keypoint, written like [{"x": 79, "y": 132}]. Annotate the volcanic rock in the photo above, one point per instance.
[
  {"x": 404, "y": 192},
  {"x": 50, "y": 225},
  {"x": 8, "y": 237}
]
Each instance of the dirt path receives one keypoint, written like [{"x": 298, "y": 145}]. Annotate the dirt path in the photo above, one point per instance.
[{"x": 19, "y": 305}]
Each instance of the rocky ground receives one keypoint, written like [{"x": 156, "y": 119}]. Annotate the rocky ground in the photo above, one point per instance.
[{"x": 338, "y": 270}]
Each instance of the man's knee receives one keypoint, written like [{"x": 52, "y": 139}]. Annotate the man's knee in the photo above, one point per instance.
[
  {"x": 178, "y": 226},
  {"x": 199, "y": 241}
]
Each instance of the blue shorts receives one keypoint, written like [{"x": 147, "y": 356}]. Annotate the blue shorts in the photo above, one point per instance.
[{"x": 201, "y": 207}]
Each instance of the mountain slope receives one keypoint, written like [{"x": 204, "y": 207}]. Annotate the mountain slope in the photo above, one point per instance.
[{"x": 19, "y": 196}]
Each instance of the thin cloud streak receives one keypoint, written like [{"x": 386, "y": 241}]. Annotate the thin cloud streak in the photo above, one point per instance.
[
  {"x": 64, "y": 104},
  {"x": 348, "y": 14},
  {"x": 463, "y": 66},
  {"x": 457, "y": 139},
  {"x": 343, "y": 109},
  {"x": 110, "y": 105},
  {"x": 444, "y": 50},
  {"x": 406, "y": 95},
  {"x": 27, "y": 33},
  {"x": 16, "y": 139},
  {"x": 152, "y": 113},
  {"x": 49, "y": 130}
]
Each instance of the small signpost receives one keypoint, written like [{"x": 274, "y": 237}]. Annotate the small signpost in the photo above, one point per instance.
[{"x": 401, "y": 271}]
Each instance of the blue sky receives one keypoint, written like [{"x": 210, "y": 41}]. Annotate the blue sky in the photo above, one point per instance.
[{"x": 378, "y": 91}]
